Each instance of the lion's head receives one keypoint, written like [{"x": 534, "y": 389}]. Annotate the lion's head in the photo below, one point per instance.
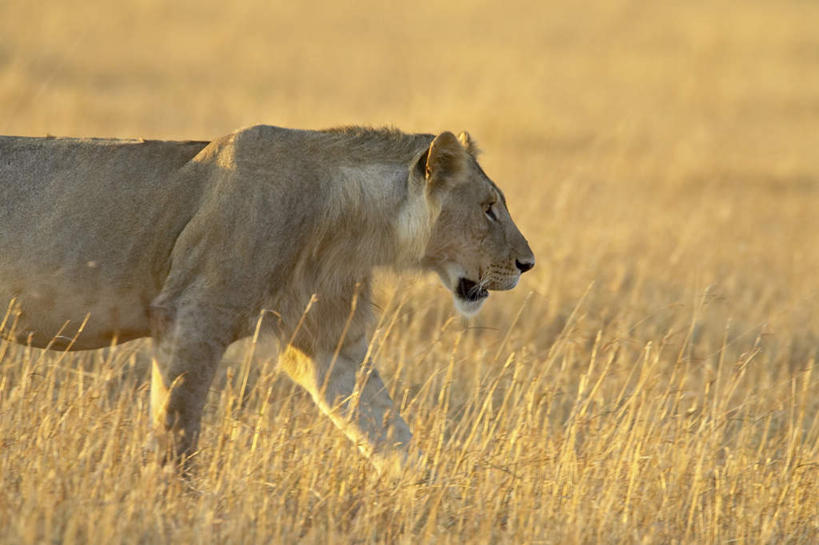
[{"x": 474, "y": 245}]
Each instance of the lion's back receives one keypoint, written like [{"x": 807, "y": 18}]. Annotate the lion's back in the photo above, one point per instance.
[{"x": 82, "y": 189}]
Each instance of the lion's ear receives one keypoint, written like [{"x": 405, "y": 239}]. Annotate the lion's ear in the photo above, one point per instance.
[
  {"x": 445, "y": 158},
  {"x": 468, "y": 144}
]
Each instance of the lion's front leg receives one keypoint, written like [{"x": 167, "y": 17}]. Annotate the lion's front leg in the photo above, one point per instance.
[
  {"x": 348, "y": 389},
  {"x": 189, "y": 344}
]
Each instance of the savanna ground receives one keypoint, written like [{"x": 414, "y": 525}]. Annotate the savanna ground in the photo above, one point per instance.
[{"x": 652, "y": 380}]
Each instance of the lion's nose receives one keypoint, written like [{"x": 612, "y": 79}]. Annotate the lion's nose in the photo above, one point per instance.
[{"x": 524, "y": 265}]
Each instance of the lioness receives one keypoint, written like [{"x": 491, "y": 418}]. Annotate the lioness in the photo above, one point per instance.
[{"x": 105, "y": 241}]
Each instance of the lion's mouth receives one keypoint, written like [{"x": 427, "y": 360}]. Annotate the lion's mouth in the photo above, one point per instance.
[{"x": 470, "y": 291}]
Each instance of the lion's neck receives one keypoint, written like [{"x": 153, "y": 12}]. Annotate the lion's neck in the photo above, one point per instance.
[{"x": 376, "y": 217}]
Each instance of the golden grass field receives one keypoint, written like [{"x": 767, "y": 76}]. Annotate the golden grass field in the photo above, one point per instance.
[{"x": 651, "y": 381}]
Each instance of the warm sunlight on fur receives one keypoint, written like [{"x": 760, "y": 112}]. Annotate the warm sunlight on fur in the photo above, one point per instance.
[{"x": 265, "y": 219}]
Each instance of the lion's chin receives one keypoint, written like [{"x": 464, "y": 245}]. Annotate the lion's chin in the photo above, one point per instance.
[
  {"x": 469, "y": 297},
  {"x": 467, "y": 308}
]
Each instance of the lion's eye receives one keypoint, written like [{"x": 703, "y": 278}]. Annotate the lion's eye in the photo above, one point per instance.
[{"x": 490, "y": 213}]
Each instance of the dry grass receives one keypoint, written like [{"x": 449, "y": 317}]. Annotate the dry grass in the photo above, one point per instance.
[{"x": 651, "y": 381}]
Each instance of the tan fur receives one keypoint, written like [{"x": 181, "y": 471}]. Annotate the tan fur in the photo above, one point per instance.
[{"x": 188, "y": 242}]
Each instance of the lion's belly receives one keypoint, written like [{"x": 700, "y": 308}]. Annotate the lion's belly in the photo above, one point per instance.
[{"x": 51, "y": 312}]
